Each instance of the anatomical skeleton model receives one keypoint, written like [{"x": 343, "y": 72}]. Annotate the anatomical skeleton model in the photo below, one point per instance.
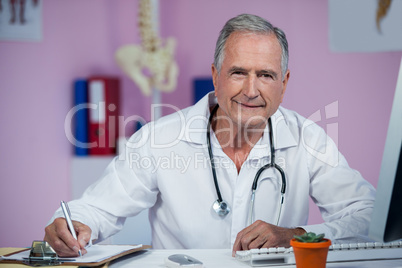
[{"x": 151, "y": 64}]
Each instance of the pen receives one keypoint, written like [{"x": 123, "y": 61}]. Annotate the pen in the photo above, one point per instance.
[{"x": 67, "y": 215}]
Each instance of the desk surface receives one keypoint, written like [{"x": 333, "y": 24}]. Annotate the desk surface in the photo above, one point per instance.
[
  {"x": 218, "y": 258},
  {"x": 222, "y": 258}
]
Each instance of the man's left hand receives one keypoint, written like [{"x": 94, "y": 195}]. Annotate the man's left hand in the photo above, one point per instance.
[{"x": 264, "y": 235}]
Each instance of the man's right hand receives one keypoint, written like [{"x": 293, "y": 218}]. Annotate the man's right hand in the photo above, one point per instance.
[{"x": 60, "y": 239}]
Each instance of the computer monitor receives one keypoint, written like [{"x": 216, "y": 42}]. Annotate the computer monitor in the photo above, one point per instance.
[{"x": 386, "y": 223}]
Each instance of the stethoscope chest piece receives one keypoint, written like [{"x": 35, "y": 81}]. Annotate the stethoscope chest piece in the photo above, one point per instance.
[{"x": 221, "y": 207}]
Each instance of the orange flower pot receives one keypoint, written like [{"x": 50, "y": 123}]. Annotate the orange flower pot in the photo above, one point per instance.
[{"x": 310, "y": 255}]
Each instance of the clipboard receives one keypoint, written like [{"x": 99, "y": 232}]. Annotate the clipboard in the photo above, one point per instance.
[{"x": 65, "y": 262}]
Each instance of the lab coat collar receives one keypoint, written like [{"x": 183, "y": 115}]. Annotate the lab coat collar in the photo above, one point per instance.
[{"x": 197, "y": 121}]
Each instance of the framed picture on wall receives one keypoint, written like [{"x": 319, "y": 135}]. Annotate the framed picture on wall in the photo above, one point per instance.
[
  {"x": 365, "y": 25},
  {"x": 21, "y": 20}
]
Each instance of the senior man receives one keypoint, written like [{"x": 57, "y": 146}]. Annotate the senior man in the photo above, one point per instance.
[{"x": 235, "y": 139}]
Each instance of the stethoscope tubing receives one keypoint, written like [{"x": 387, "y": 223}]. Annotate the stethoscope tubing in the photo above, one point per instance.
[
  {"x": 211, "y": 157},
  {"x": 272, "y": 164}
]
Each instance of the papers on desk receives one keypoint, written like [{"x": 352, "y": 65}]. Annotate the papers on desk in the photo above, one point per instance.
[{"x": 95, "y": 254}]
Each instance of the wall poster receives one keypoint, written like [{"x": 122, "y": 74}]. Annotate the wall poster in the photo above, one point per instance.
[{"x": 21, "y": 20}]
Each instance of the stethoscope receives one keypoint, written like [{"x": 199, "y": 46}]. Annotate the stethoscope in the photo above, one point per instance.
[{"x": 220, "y": 206}]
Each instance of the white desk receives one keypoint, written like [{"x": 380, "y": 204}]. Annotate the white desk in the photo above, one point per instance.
[{"x": 222, "y": 258}]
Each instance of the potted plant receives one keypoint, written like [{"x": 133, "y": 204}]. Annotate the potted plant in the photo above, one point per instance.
[{"x": 310, "y": 250}]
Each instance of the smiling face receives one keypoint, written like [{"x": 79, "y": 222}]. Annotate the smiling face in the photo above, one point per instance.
[{"x": 249, "y": 87}]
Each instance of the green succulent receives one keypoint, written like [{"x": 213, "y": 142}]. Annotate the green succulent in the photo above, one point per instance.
[{"x": 310, "y": 237}]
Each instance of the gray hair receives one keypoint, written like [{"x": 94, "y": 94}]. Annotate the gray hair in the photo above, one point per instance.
[{"x": 253, "y": 24}]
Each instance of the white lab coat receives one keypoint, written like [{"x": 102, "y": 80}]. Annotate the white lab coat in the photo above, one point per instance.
[{"x": 166, "y": 168}]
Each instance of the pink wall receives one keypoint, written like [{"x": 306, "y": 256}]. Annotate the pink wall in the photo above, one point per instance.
[
  {"x": 362, "y": 83},
  {"x": 80, "y": 38}
]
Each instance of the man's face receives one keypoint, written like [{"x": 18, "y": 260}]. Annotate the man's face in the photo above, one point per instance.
[{"x": 249, "y": 87}]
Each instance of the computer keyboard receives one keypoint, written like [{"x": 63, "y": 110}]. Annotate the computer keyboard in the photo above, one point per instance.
[{"x": 337, "y": 253}]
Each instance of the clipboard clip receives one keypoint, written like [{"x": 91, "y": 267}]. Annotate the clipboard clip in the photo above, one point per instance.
[{"x": 42, "y": 254}]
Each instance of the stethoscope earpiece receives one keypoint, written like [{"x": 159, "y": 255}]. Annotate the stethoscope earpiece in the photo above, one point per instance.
[{"x": 221, "y": 208}]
